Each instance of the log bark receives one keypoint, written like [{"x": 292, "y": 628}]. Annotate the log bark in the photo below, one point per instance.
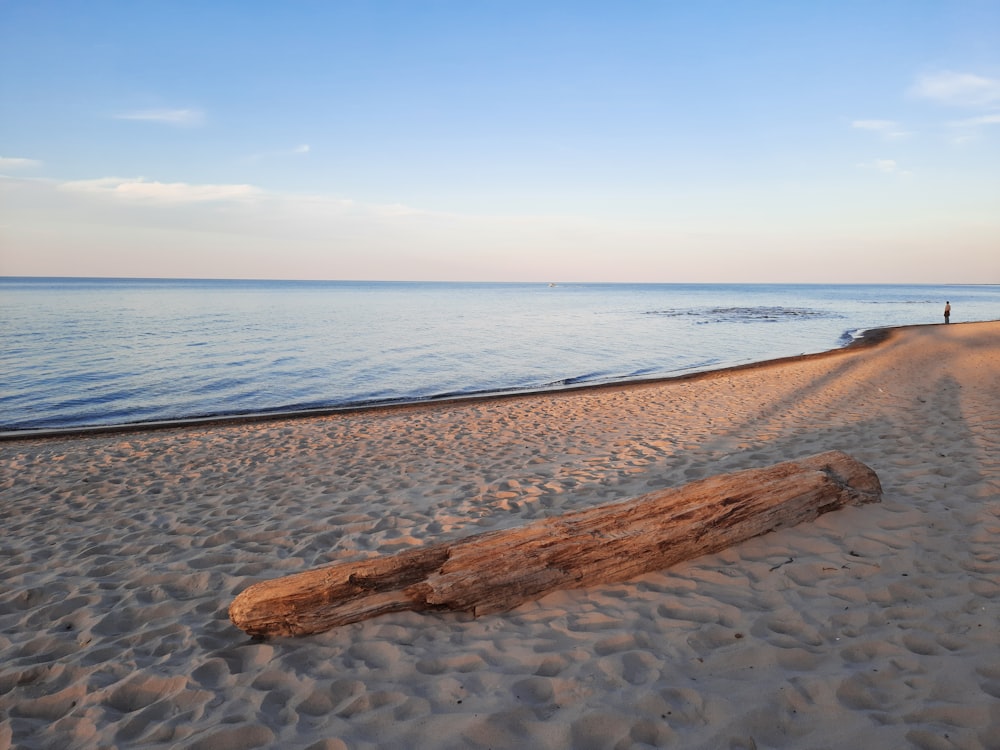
[{"x": 498, "y": 570}]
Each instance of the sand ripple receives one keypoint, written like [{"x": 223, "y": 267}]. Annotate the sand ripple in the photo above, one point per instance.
[{"x": 872, "y": 627}]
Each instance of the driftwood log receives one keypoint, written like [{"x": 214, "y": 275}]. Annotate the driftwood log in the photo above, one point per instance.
[{"x": 498, "y": 570}]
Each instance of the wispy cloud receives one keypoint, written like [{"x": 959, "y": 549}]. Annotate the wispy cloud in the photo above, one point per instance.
[
  {"x": 256, "y": 201},
  {"x": 877, "y": 125},
  {"x": 975, "y": 122},
  {"x": 151, "y": 191},
  {"x": 970, "y": 129},
  {"x": 886, "y": 166},
  {"x": 957, "y": 89},
  {"x": 968, "y": 91},
  {"x": 10, "y": 162},
  {"x": 180, "y": 117},
  {"x": 889, "y": 129},
  {"x": 297, "y": 151}
]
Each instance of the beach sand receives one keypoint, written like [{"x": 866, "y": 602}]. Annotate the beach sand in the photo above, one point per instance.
[{"x": 875, "y": 626}]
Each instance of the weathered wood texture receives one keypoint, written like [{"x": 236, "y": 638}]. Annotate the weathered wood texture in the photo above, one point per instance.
[{"x": 498, "y": 570}]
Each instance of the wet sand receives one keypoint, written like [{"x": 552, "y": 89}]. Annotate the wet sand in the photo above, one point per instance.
[{"x": 874, "y": 626}]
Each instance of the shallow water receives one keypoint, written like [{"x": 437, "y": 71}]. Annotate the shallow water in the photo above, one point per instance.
[{"x": 78, "y": 352}]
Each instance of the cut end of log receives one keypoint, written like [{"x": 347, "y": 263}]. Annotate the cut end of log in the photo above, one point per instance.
[
  {"x": 858, "y": 481},
  {"x": 605, "y": 544}
]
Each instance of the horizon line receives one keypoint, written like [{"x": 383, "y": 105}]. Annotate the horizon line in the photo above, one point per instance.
[{"x": 26, "y": 277}]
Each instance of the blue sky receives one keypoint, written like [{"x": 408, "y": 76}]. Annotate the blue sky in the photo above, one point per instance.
[{"x": 549, "y": 141}]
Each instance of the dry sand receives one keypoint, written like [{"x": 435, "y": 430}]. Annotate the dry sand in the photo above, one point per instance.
[{"x": 872, "y": 627}]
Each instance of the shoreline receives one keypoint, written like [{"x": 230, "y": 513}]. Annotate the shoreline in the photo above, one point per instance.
[
  {"x": 869, "y": 337},
  {"x": 871, "y": 626}
]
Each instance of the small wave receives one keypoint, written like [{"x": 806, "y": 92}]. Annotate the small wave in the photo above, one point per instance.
[
  {"x": 589, "y": 377},
  {"x": 898, "y": 301},
  {"x": 848, "y": 336},
  {"x": 746, "y": 314}
]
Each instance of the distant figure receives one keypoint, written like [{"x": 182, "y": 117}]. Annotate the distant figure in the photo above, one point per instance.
[{"x": 947, "y": 311}]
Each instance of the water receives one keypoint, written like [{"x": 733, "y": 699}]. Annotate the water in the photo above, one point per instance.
[{"x": 83, "y": 352}]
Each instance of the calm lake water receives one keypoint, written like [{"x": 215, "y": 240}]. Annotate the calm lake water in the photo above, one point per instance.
[{"x": 81, "y": 352}]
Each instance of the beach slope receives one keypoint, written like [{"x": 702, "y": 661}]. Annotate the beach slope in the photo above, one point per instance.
[{"x": 874, "y": 626}]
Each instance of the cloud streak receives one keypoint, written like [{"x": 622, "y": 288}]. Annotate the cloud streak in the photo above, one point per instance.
[
  {"x": 975, "y": 122},
  {"x": 886, "y": 166},
  {"x": 151, "y": 191},
  {"x": 877, "y": 125},
  {"x": 888, "y": 129},
  {"x": 11, "y": 162},
  {"x": 299, "y": 150},
  {"x": 255, "y": 202},
  {"x": 177, "y": 117},
  {"x": 957, "y": 89}
]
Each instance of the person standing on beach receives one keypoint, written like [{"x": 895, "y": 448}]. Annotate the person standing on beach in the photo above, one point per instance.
[{"x": 947, "y": 311}]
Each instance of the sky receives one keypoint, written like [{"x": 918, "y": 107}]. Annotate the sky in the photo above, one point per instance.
[{"x": 667, "y": 141}]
